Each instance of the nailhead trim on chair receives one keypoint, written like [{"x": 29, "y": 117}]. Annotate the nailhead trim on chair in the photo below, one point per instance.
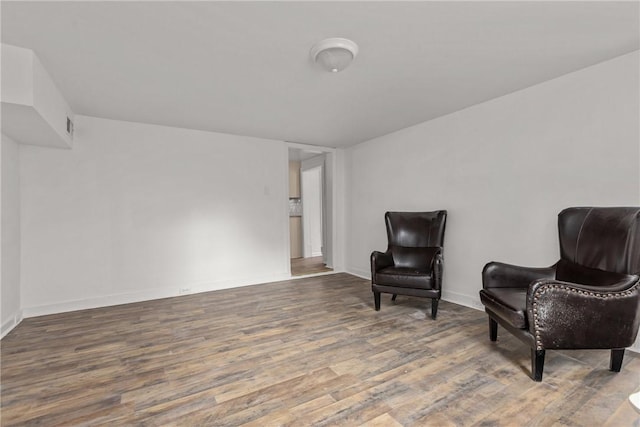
[{"x": 553, "y": 287}]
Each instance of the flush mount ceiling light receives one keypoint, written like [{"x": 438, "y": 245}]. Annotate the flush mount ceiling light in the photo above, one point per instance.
[{"x": 334, "y": 54}]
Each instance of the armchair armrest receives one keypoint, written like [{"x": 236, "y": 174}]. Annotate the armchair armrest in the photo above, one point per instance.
[
  {"x": 571, "y": 315},
  {"x": 437, "y": 264},
  {"x": 380, "y": 260},
  {"x": 500, "y": 275}
]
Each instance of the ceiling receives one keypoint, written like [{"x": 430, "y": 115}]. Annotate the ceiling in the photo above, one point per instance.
[{"x": 244, "y": 68}]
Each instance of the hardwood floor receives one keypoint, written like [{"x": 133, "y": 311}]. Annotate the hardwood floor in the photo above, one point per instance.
[
  {"x": 312, "y": 265},
  {"x": 303, "y": 352}
]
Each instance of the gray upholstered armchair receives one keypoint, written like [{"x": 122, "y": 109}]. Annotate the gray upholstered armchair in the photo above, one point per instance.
[
  {"x": 590, "y": 299},
  {"x": 412, "y": 263}
]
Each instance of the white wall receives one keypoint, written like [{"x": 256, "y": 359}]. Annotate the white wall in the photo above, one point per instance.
[
  {"x": 329, "y": 205},
  {"x": 312, "y": 214},
  {"x": 338, "y": 209},
  {"x": 11, "y": 313},
  {"x": 503, "y": 169},
  {"x": 324, "y": 204},
  {"x": 139, "y": 211}
]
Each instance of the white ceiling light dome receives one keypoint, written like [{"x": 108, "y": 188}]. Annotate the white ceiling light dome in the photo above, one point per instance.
[{"x": 334, "y": 54}]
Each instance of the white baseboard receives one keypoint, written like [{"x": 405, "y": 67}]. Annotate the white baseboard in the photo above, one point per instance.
[
  {"x": 463, "y": 299},
  {"x": 454, "y": 297},
  {"x": 146, "y": 295},
  {"x": 151, "y": 294},
  {"x": 8, "y": 325},
  {"x": 363, "y": 274}
]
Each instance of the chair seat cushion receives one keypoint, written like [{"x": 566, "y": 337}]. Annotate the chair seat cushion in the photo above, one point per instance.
[
  {"x": 403, "y": 277},
  {"x": 508, "y": 303}
]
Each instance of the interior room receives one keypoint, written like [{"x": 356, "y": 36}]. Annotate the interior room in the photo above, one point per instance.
[{"x": 192, "y": 193}]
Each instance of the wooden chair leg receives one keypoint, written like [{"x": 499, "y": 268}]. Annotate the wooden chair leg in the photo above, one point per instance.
[
  {"x": 493, "y": 330},
  {"x": 537, "y": 364},
  {"x": 615, "y": 363},
  {"x": 434, "y": 308},
  {"x": 393, "y": 298},
  {"x": 376, "y": 300}
]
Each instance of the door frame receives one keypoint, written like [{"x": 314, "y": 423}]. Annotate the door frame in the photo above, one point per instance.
[{"x": 330, "y": 190}]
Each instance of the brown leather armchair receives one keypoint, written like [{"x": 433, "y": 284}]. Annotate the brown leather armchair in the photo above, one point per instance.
[
  {"x": 590, "y": 299},
  {"x": 412, "y": 264}
]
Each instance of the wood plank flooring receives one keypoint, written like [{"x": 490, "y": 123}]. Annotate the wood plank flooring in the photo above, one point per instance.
[
  {"x": 312, "y": 265},
  {"x": 306, "y": 352}
]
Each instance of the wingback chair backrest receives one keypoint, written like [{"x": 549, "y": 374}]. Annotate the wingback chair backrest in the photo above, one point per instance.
[
  {"x": 414, "y": 237},
  {"x": 416, "y": 229},
  {"x": 601, "y": 238}
]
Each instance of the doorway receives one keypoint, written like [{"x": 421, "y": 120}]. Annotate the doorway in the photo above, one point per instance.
[{"x": 309, "y": 216}]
